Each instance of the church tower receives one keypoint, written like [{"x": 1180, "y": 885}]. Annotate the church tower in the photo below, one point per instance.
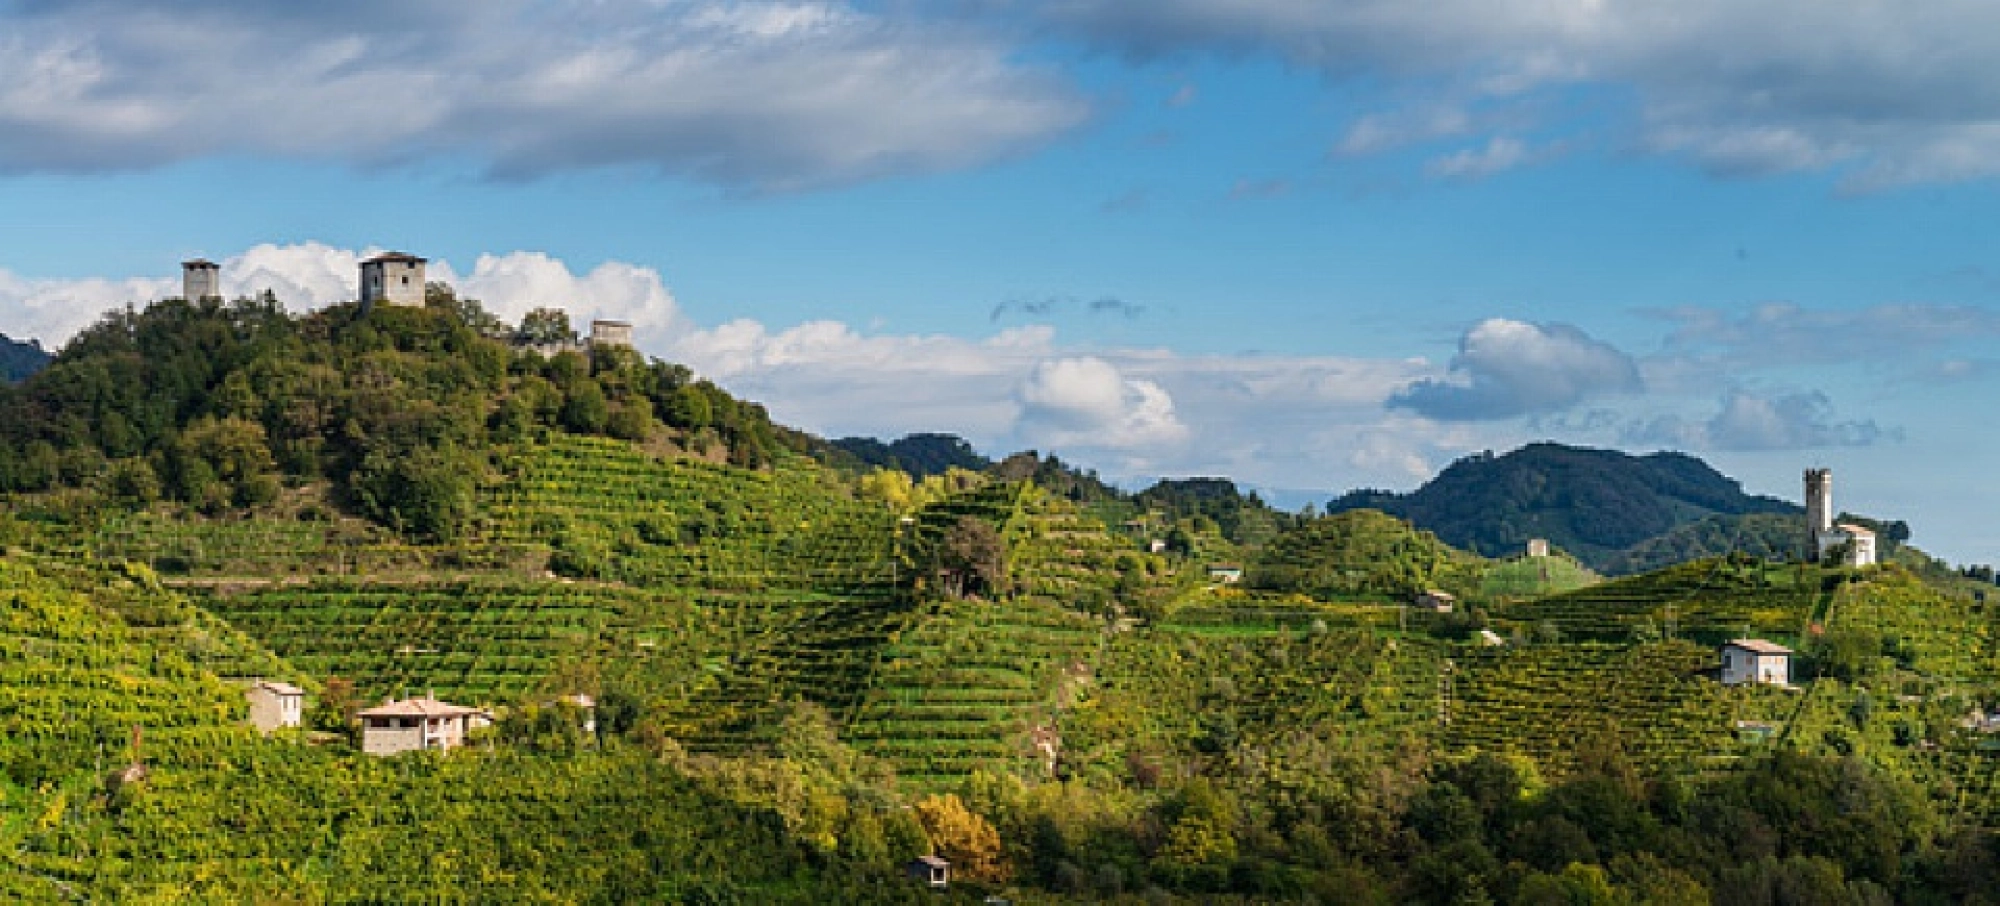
[{"x": 1819, "y": 500}]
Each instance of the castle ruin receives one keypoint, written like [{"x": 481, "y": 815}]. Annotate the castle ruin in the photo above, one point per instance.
[
  {"x": 395, "y": 278},
  {"x": 200, "y": 279}
]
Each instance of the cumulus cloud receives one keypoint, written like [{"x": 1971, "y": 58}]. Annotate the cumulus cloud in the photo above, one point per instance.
[
  {"x": 1750, "y": 422},
  {"x": 1506, "y": 368},
  {"x": 759, "y": 97},
  {"x": 1884, "y": 94},
  {"x": 1087, "y": 402}
]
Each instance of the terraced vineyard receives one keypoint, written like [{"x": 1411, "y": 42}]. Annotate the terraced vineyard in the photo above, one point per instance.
[
  {"x": 614, "y": 511},
  {"x": 479, "y": 641},
  {"x": 1521, "y": 578},
  {"x": 1060, "y": 555},
  {"x": 1541, "y": 700},
  {"x": 821, "y": 650},
  {"x": 1708, "y": 599},
  {"x": 1943, "y": 635},
  {"x": 967, "y": 685}
]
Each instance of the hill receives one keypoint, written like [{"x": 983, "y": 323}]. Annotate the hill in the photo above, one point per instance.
[
  {"x": 1593, "y": 503},
  {"x": 20, "y": 358},
  {"x": 921, "y": 455}
]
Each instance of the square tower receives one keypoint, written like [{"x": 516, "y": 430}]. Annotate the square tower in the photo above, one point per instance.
[
  {"x": 200, "y": 279},
  {"x": 395, "y": 278}
]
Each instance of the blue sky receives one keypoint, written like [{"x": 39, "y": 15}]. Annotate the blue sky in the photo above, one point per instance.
[{"x": 1310, "y": 245}]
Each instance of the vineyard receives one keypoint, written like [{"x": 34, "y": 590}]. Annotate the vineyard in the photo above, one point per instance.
[
  {"x": 1707, "y": 599},
  {"x": 602, "y": 508},
  {"x": 477, "y": 640},
  {"x": 1652, "y": 700},
  {"x": 967, "y": 686}
]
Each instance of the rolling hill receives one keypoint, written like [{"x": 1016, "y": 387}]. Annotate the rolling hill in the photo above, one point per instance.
[{"x": 1596, "y": 504}]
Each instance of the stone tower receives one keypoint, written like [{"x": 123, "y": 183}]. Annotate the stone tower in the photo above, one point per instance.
[
  {"x": 1819, "y": 510},
  {"x": 394, "y": 278},
  {"x": 200, "y": 279},
  {"x": 606, "y": 334}
]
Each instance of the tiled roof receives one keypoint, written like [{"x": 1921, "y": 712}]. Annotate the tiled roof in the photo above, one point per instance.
[
  {"x": 282, "y": 688},
  {"x": 1759, "y": 646},
  {"x": 396, "y": 257},
  {"x": 419, "y": 707}
]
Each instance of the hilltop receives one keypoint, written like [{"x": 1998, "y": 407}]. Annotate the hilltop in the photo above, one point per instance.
[{"x": 1595, "y": 504}]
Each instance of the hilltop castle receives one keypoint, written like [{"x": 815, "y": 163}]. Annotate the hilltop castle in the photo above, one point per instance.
[
  {"x": 397, "y": 278},
  {"x": 1823, "y": 538}
]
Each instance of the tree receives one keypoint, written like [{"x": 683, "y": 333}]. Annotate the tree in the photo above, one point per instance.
[
  {"x": 545, "y": 326},
  {"x": 971, "y": 558},
  {"x": 962, "y": 837}
]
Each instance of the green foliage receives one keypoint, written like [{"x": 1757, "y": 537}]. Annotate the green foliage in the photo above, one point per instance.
[{"x": 1360, "y": 553}]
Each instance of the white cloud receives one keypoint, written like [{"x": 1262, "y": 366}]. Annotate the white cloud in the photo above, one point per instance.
[
  {"x": 1086, "y": 402},
  {"x": 1750, "y": 422},
  {"x": 1882, "y": 93},
  {"x": 1498, "y": 155},
  {"x": 1505, "y": 368},
  {"x": 766, "y": 97}
]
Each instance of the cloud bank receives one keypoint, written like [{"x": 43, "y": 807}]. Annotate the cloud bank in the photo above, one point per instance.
[
  {"x": 755, "y": 97},
  {"x": 1883, "y": 94}
]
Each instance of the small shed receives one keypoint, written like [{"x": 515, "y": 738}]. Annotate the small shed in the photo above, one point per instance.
[
  {"x": 1491, "y": 639},
  {"x": 930, "y": 871},
  {"x": 1756, "y": 661},
  {"x": 1438, "y": 601},
  {"x": 1225, "y": 573},
  {"x": 275, "y": 705}
]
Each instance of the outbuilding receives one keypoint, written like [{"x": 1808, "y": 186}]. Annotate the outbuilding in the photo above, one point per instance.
[
  {"x": 930, "y": 871},
  {"x": 275, "y": 705},
  {"x": 1438, "y": 601}
]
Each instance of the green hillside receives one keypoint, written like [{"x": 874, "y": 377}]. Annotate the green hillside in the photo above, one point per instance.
[
  {"x": 805, "y": 675},
  {"x": 1593, "y": 503}
]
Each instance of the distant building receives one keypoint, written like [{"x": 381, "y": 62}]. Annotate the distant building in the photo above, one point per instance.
[
  {"x": 1756, "y": 661},
  {"x": 395, "y": 727},
  {"x": 606, "y": 334},
  {"x": 1156, "y": 546},
  {"x": 275, "y": 705},
  {"x": 395, "y": 278},
  {"x": 1491, "y": 639},
  {"x": 1823, "y": 538},
  {"x": 1437, "y": 601},
  {"x": 200, "y": 279},
  {"x": 930, "y": 871},
  {"x": 1225, "y": 573},
  {"x": 1538, "y": 547}
]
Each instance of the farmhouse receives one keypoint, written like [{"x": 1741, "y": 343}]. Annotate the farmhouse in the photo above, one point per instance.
[
  {"x": 1756, "y": 661},
  {"x": 1437, "y": 601},
  {"x": 930, "y": 871},
  {"x": 395, "y": 727},
  {"x": 275, "y": 705},
  {"x": 1225, "y": 573}
]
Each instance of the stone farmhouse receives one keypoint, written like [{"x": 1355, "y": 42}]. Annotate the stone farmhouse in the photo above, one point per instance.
[{"x": 417, "y": 724}]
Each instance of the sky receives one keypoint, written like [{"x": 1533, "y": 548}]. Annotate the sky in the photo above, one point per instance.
[{"x": 1312, "y": 245}]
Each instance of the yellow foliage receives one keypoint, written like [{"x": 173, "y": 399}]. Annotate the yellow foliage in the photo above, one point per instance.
[{"x": 969, "y": 842}]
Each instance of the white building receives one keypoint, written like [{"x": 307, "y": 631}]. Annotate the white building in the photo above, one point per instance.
[
  {"x": 395, "y": 278},
  {"x": 1823, "y": 538},
  {"x": 1438, "y": 601},
  {"x": 275, "y": 705},
  {"x": 1538, "y": 547},
  {"x": 1756, "y": 661},
  {"x": 395, "y": 727}
]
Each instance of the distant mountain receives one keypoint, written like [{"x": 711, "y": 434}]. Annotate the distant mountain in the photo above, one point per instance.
[
  {"x": 918, "y": 454},
  {"x": 20, "y": 358},
  {"x": 1595, "y": 504}
]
